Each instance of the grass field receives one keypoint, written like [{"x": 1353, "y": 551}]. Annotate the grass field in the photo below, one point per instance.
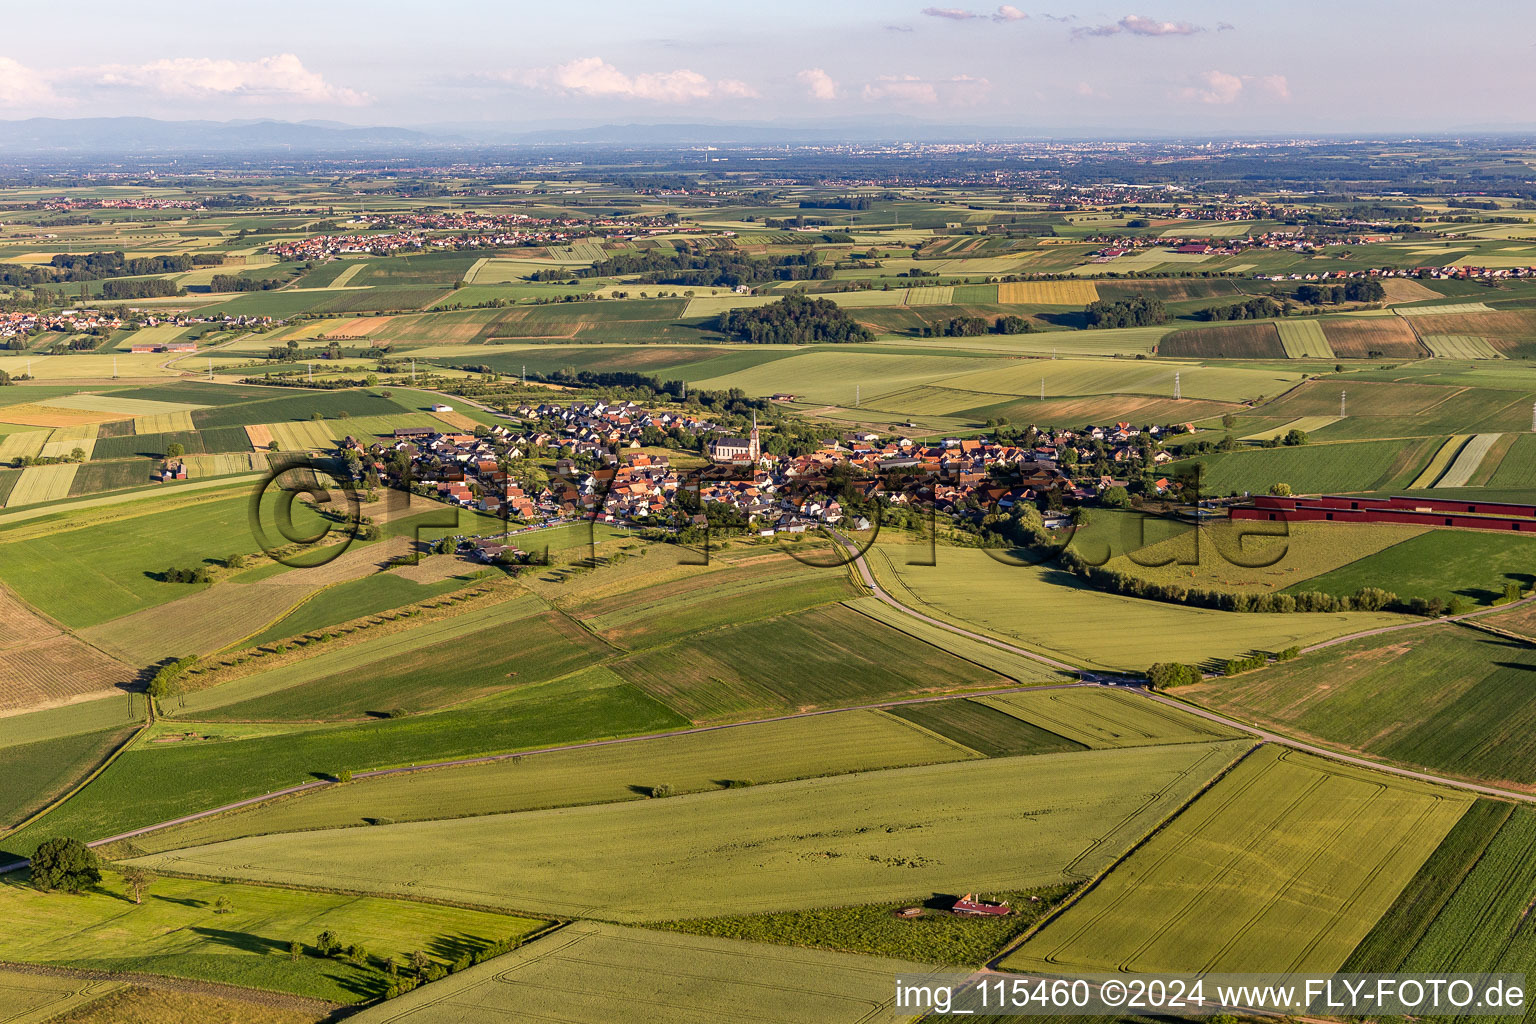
[
  {"x": 984, "y": 729},
  {"x": 177, "y": 931},
  {"x": 1107, "y": 719},
  {"x": 822, "y": 745},
  {"x": 199, "y": 623},
  {"x": 137, "y": 1004},
  {"x": 1445, "y": 698},
  {"x": 1014, "y": 666},
  {"x": 1304, "y": 339},
  {"x": 1460, "y": 346},
  {"x": 1282, "y": 866},
  {"x": 1309, "y": 469},
  {"x": 1225, "y": 341},
  {"x": 1474, "y": 564},
  {"x": 351, "y": 600},
  {"x": 39, "y": 772},
  {"x": 34, "y": 999},
  {"x": 1518, "y": 467},
  {"x": 847, "y": 839},
  {"x": 1050, "y": 611},
  {"x": 605, "y": 973}
]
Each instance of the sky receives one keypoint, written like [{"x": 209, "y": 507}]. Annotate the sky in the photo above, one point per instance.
[{"x": 1065, "y": 69}]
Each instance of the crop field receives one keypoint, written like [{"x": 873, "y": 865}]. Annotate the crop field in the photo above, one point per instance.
[
  {"x": 302, "y": 436},
  {"x": 1107, "y": 719},
  {"x": 983, "y": 729},
  {"x": 1176, "y": 289},
  {"x": 1445, "y": 698},
  {"x": 1046, "y": 610},
  {"x": 1518, "y": 467},
  {"x": 175, "y": 932},
  {"x": 604, "y": 972},
  {"x": 1450, "y": 308},
  {"x": 1474, "y": 564},
  {"x": 781, "y": 847},
  {"x": 1306, "y": 424},
  {"x": 1282, "y": 866},
  {"x": 32, "y": 999},
  {"x": 929, "y": 295},
  {"x": 1374, "y": 338},
  {"x": 22, "y": 444},
  {"x": 1460, "y": 346},
  {"x": 200, "y": 623},
  {"x": 1401, "y": 289},
  {"x": 287, "y": 405},
  {"x": 1310, "y": 469},
  {"x": 766, "y": 752},
  {"x": 1304, "y": 339},
  {"x": 517, "y": 653},
  {"x": 94, "y": 366},
  {"x": 39, "y": 772},
  {"x": 1109, "y": 377},
  {"x": 199, "y": 466},
  {"x": 1468, "y": 460},
  {"x": 1478, "y": 920},
  {"x": 42, "y": 483},
  {"x": 824, "y": 657},
  {"x": 85, "y": 576},
  {"x": 1510, "y": 332},
  {"x": 56, "y": 669},
  {"x": 208, "y": 766},
  {"x": 165, "y": 422},
  {"x": 1381, "y": 409},
  {"x": 352, "y": 599},
  {"x": 1227, "y": 341},
  {"x": 1014, "y": 666}
]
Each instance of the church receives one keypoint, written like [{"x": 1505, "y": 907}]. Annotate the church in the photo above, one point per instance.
[{"x": 737, "y": 449}]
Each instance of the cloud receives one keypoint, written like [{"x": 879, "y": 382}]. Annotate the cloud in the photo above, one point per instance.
[
  {"x": 818, "y": 84},
  {"x": 595, "y": 77},
  {"x": 1004, "y": 13},
  {"x": 1219, "y": 87},
  {"x": 21, "y": 86},
  {"x": 1087, "y": 91},
  {"x": 1225, "y": 26},
  {"x": 899, "y": 28},
  {"x": 1138, "y": 25},
  {"x": 959, "y": 90},
  {"x": 278, "y": 77}
]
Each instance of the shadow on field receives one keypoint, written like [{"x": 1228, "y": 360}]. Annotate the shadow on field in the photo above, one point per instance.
[
  {"x": 244, "y": 941},
  {"x": 179, "y": 902},
  {"x": 454, "y": 947}
]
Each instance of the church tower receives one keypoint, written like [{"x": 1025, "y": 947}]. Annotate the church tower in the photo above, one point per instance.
[{"x": 754, "y": 445}]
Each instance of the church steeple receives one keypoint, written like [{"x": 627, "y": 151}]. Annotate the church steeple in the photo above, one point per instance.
[{"x": 754, "y": 445}]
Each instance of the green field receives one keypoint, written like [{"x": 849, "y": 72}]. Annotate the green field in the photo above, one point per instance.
[
  {"x": 1474, "y": 564},
  {"x": 984, "y": 729},
  {"x": 177, "y": 931},
  {"x": 1107, "y": 719},
  {"x": 1444, "y": 698},
  {"x": 1310, "y": 469},
  {"x": 1282, "y": 866},
  {"x": 1050, "y": 611},
  {"x": 779, "y": 751},
  {"x": 1304, "y": 339},
  {"x": 603, "y": 973},
  {"x": 847, "y": 839},
  {"x": 351, "y": 600}
]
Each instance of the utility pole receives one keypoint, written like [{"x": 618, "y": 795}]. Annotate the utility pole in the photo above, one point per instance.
[
  {"x": 525, "y": 375},
  {"x": 1042, "y": 389},
  {"x": 1344, "y": 394},
  {"x": 1176, "y": 392},
  {"x": 856, "y": 396},
  {"x": 309, "y": 369},
  {"x": 210, "y": 369},
  {"x": 114, "y": 368},
  {"x": 1533, "y": 412}
]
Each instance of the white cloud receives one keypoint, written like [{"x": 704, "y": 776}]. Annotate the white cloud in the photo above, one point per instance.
[
  {"x": 1219, "y": 87},
  {"x": 818, "y": 84},
  {"x": 1008, "y": 12},
  {"x": 1137, "y": 25},
  {"x": 1225, "y": 26},
  {"x": 952, "y": 13},
  {"x": 21, "y": 86},
  {"x": 959, "y": 90},
  {"x": 278, "y": 77},
  {"x": 1277, "y": 86},
  {"x": 593, "y": 76}
]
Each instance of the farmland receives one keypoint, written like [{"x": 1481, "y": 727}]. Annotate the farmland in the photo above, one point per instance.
[
  {"x": 1282, "y": 866},
  {"x": 608, "y": 970},
  {"x": 1474, "y": 565},
  {"x": 1313, "y": 468},
  {"x": 1445, "y": 698},
  {"x": 690, "y": 855}
]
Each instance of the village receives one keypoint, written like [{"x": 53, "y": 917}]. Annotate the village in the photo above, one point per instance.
[{"x": 563, "y": 463}]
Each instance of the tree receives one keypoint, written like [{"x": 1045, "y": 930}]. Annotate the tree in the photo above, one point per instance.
[
  {"x": 327, "y": 943},
  {"x": 65, "y": 864},
  {"x": 420, "y": 962},
  {"x": 138, "y": 881},
  {"x": 1280, "y": 490},
  {"x": 295, "y": 949},
  {"x": 1115, "y": 497},
  {"x": 175, "y": 450},
  {"x": 1228, "y": 420},
  {"x": 1295, "y": 437},
  {"x": 77, "y": 454},
  {"x": 222, "y": 905},
  {"x": 1511, "y": 591}
]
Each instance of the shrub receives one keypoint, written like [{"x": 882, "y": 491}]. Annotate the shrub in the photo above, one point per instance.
[
  {"x": 1245, "y": 664},
  {"x": 1167, "y": 674},
  {"x": 661, "y": 790},
  {"x": 327, "y": 943}
]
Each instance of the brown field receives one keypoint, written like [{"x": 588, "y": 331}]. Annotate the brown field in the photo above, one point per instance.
[
  {"x": 358, "y": 327},
  {"x": 19, "y": 624},
  {"x": 260, "y": 435},
  {"x": 457, "y": 420},
  {"x": 1048, "y": 293},
  {"x": 1506, "y": 330},
  {"x": 185, "y": 1003},
  {"x": 1109, "y": 408},
  {"x": 199, "y": 623},
  {"x": 357, "y": 561},
  {"x": 1229, "y": 341},
  {"x": 55, "y": 670},
  {"x": 1400, "y": 289},
  {"x": 436, "y": 568},
  {"x": 34, "y": 415},
  {"x": 1391, "y": 336}
]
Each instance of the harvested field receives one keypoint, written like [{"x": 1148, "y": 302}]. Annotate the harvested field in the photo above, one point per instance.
[
  {"x": 358, "y": 327},
  {"x": 1455, "y": 308},
  {"x": 1283, "y": 866},
  {"x": 199, "y": 623},
  {"x": 302, "y": 435},
  {"x": 1229, "y": 341},
  {"x": 260, "y": 436},
  {"x": 1401, "y": 289},
  {"x": 42, "y": 483},
  {"x": 1048, "y": 293},
  {"x": 33, "y": 999},
  {"x": 131, "y": 408},
  {"x": 1304, "y": 339},
  {"x": 1107, "y": 719},
  {"x": 19, "y": 624},
  {"x": 54, "y": 670},
  {"x": 604, "y": 973},
  {"x": 457, "y": 420},
  {"x": 789, "y": 846},
  {"x": 23, "y": 445},
  {"x": 34, "y": 415},
  {"x": 1468, "y": 461},
  {"x": 1437, "y": 465},
  {"x": 357, "y": 561},
  {"x": 930, "y": 295},
  {"x": 1372, "y": 338},
  {"x": 163, "y": 423},
  {"x": 1460, "y": 346},
  {"x": 199, "y": 466},
  {"x": 1306, "y": 424}
]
